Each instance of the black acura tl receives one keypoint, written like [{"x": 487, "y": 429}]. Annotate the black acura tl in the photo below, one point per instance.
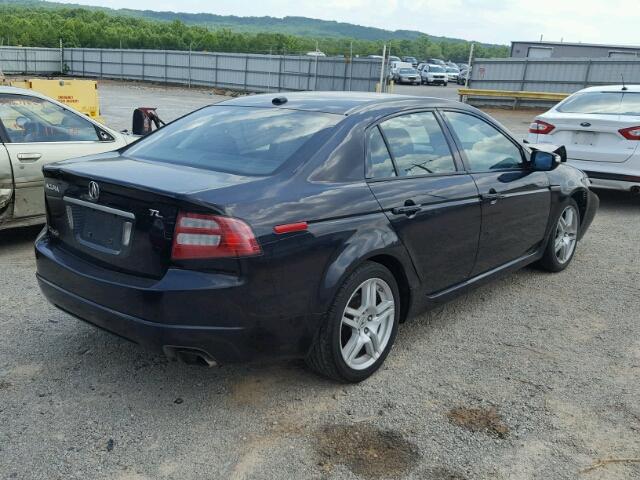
[{"x": 304, "y": 226}]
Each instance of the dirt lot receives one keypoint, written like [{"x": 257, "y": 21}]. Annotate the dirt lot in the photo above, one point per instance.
[{"x": 534, "y": 376}]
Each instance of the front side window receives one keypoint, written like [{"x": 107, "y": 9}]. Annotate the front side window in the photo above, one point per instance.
[
  {"x": 238, "y": 140},
  {"x": 602, "y": 103},
  {"x": 485, "y": 147},
  {"x": 35, "y": 120},
  {"x": 418, "y": 145}
]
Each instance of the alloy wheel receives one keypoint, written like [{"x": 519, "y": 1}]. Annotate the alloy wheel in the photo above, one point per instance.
[
  {"x": 367, "y": 323},
  {"x": 566, "y": 234}
]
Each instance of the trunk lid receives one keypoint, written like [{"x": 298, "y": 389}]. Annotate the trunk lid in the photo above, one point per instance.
[
  {"x": 120, "y": 213},
  {"x": 591, "y": 137}
]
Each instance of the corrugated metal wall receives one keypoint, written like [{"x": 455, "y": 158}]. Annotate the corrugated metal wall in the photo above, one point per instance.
[
  {"x": 249, "y": 72},
  {"x": 29, "y": 60},
  {"x": 565, "y": 75},
  {"x": 559, "y": 75},
  {"x": 237, "y": 71}
]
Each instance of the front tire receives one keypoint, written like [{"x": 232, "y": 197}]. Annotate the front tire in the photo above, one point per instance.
[
  {"x": 360, "y": 327},
  {"x": 563, "y": 240}
]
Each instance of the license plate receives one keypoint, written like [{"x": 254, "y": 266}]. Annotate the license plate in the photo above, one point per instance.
[
  {"x": 584, "y": 138},
  {"x": 102, "y": 230}
]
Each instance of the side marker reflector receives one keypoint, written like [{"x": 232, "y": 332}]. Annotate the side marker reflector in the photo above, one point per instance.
[{"x": 291, "y": 227}]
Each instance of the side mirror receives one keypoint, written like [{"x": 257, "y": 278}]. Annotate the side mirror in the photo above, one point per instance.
[{"x": 542, "y": 161}]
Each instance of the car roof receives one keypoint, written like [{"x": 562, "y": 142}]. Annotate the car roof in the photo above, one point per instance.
[
  {"x": 611, "y": 88},
  {"x": 341, "y": 103}
]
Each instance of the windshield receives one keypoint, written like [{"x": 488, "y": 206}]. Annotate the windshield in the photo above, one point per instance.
[
  {"x": 407, "y": 71},
  {"x": 435, "y": 68},
  {"x": 604, "y": 103},
  {"x": 239, "y": 140}
]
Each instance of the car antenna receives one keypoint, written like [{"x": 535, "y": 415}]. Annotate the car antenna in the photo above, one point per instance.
[{"x": 624, "y": 87}]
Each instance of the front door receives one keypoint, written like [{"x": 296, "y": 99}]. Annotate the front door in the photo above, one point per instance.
[
  {"x": 515, "y": 200},
  {"x": 432, "y": 205},
  {"x": 39, "y": 132}
]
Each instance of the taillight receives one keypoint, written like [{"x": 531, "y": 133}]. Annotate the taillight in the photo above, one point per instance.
[
  {"x": 540, "y": 127},
  {"x": 631, "y": 133},
  {"x": 211, "y": 236}
]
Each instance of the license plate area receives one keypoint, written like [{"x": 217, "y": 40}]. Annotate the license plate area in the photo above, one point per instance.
[
  {"x": 98, "y": 227},
  {"x": 584, "y": 138}
]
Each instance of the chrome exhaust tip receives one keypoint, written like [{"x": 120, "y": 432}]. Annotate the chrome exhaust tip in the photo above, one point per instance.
[{"x": 190, "y": 356}]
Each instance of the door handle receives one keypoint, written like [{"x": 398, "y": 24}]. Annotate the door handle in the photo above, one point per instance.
[
  {"x": 29, "y": 157},
  {"x": 492, "y": 196},
  {"x": 407, "y": 210}
]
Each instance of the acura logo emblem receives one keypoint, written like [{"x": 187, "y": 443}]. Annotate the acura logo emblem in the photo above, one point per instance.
[{"x": 94, "y": 191}]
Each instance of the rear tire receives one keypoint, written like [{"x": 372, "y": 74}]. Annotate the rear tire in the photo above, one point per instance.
[
  {"x": 563, "y": 239},
  {"x": 360, "y": 327}
]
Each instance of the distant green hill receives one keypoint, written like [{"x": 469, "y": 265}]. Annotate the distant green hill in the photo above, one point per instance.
[
  {"x": 302, "y": 26},
  {"x": 43, "y": 24}
]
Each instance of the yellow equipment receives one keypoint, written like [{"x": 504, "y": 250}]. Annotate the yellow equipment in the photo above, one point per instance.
[{"x": 81, "y": 95}]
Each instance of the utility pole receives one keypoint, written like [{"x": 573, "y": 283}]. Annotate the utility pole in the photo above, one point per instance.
[
  {"x": 384, "y": 54},
  {"x": 61, "y": 59},
  {"x": 466, "y": 80}
]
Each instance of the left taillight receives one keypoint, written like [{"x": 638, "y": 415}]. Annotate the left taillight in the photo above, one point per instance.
[
  {"x": 631, "y": 133},
  {"x": 540, "y": 127},
  {"x": 202, "y": 236}
]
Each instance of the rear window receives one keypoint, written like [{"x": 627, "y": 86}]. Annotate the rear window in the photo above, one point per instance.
[
  {"x": 606, "y": 103},
  {"x": 239, "y": 140}
]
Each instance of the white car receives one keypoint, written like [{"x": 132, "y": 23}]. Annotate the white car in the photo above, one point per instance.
[
  {"x": 600, "y": 128},
  {"x": 36, "y": 130},
  {"x": 434, "y": 75},
  {"x": 452, "y": 74}
]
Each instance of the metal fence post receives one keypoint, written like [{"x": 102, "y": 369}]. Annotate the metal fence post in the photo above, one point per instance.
[
  {"x": 189, "y": 63},
  {"x": 280, "y": 73},
  {"x": 83, "y": 74},
  {"x": 586, "y": 74},
  {"x": 100, "y": 63},
  {"x": 246, "y": 73},
  {"x": 143, "y": 64},
  {"x": 215, "y": 72},
  {"x": 165, "y": 67},
  {"x": 26, "y": 68},
  {"x": 121, "y": 64}
]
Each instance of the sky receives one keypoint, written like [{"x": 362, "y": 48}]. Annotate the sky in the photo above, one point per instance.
[{"x": 491, "y": 21}]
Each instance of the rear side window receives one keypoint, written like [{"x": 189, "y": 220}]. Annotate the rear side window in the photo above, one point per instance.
[
  {"x": 485, "y": 147},
  {"x": 418, "y": 145},
  {"x": 238, "y": 140},
  {"x": 380, "y": 164},
  {"x": 603, "y": 103}
]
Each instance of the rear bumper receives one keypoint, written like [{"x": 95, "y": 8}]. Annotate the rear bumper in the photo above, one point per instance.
[
  {"x": 219, "y": 314},
  {"x": 613, "y": 176}
]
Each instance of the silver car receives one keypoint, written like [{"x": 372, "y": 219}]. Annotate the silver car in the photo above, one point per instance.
[{"x": 36, "y": 130}]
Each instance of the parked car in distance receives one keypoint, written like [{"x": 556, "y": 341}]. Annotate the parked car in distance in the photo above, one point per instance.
[
  {"x": 394, "y": 68},
  {"x": 434, "y": 75},
  {"x": 407, "y": 75},
  {"x": 452, "y": 74},
  {"x": 436, "y": 61},
  {"x": 600, "y": 128},
  {"x": 36, "y": 130},
  {"x": 411, "y": 60},
  {"x": 307, "y": 225},
  {"x": 462, "y": 77},
  {"x": 316, "y": 53},
  {"x": 393, "y": 58}
]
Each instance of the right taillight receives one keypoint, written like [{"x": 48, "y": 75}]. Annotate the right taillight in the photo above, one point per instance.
[
  {"x": 631, "y": 133},
  {"x": 200, "y": 235},
  {"x": 541, "y": 128}
]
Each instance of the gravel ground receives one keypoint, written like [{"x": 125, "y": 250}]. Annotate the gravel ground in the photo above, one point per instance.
[{"x": 534, "y": 376}]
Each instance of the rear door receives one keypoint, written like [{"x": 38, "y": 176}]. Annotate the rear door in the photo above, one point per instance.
[
  {"x": 432, "y": 205},
  {"x": 515, "y": 200},
  {"x": 40, "y": 132}
]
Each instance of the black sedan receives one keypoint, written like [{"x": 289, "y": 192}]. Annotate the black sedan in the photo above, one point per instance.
[{"x": 306, "y": 226}]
